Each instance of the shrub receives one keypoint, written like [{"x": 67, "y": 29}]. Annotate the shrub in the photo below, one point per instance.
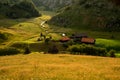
[
  {"x": 53, "y": 50},
  {"x": 47, "y": 40},
  {"x": 27, "y": 50},
  {"x": 8, "y": 51},
  {"x": 87, "y": 50},
  {"x": 19, "y": 45},
  {"x": 65, "y": 45},
  {"x": 3, "y": 36},
  {"x": 39, "y": 39},
  {"x": 111, "y": 53}
]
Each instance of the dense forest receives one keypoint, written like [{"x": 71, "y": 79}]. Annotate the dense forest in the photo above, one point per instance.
[
  {"x": 29, "y": 8},
  {"x": 22, "y": 9},
  {"x": 90, "y": 14},
  {"x": 52, "y": 5}
]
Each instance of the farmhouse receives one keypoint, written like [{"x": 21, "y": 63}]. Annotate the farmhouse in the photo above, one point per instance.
[
  {"x": 78, "y": 38},
  {"x": 88, "y": 40},
  {"x": 65, "y": 39}
]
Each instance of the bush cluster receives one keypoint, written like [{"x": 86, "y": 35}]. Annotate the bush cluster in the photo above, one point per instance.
[
  {"x": 53, "y": 50},
  {"x": 8, "y": 51},
  {"x": 87, "y": 50},
  {"x": 111, "y": 53},
  {"x": 27, "y": 50},
  {"x": 19, "y": 45},
  {"x": 3, "y": 36}
]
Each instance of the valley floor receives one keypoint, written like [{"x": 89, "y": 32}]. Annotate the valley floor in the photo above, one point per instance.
[{"x": 38, "y": 66}]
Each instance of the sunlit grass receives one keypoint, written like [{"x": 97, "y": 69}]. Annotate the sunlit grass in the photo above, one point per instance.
[
  {"x": 48, "y": 13},
  {"x": 37, "y": 66},
  {"x": 46, "y": 17},
  {"x": 108, "y": 43}
]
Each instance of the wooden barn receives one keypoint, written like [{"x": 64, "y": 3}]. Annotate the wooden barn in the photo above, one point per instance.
[{"x": 88, "y": 40}]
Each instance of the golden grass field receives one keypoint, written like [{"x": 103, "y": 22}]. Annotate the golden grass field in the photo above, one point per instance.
[{"x": 38, "y": 66}]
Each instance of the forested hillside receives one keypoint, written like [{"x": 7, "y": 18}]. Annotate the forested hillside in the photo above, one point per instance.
[
  {"x": 18, "y": 9},
  {"x": 52, "y": 4},
  {"x": 43, "y": 4},
  {"x": 90, "y": 14}
]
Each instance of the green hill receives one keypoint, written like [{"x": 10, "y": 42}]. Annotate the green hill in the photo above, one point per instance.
[
  {"x": 90, "y": 14},
  {"x": 18, "y": 9}
]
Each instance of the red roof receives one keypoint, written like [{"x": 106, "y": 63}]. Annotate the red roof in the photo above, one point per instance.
[
  {"x": 88, "y": 40},
  {"x": 64, "y": 39}
]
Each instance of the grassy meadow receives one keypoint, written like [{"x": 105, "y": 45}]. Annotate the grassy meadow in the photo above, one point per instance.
[
  {"x": 108, "y": 43},
  {"x": 38, "y": 66}
]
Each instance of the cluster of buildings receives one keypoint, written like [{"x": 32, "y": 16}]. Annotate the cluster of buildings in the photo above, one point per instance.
[{"x": 80, "y": 38}]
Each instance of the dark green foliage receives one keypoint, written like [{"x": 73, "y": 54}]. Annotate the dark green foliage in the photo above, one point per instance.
[
  {"x": 20, "y": 9},
  {"x": 22, "y": 46},
  {"x": 53, "y": 50},
  {"x": 39, "y": 39},
  {"x": 111, "y": 53},
  {"x": 27, "y": 50},
  {"x": 47, "y": 40},
  {"x": 51, "y": 5},
  {"x": 19, "y": 45},
  {"x": 4, "y": 36},
  {"x": 87, "y": 50},
  {"x": 90, "y": 14},
  {"x": 9, "y": 51},
  {"x": 26, "y": 7},
  {"x": 65, "y": 45}
]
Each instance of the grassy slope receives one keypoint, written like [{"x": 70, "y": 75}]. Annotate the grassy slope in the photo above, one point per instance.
[
  {"x": 21, "y": 29},
  {"x": 38, "y": 66},
  {"x": 109, "y": 44},
  {"x": 25, "y": 30}
]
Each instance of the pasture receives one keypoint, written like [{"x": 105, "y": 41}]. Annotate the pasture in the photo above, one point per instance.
[
  {"x": 38, "y": 66},
  {"x": 108, "y": 43}
]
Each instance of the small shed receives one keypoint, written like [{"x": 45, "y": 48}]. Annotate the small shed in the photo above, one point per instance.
[
  {"x": 88, "y": 40},
  {"x": 65, "y": 39}
]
